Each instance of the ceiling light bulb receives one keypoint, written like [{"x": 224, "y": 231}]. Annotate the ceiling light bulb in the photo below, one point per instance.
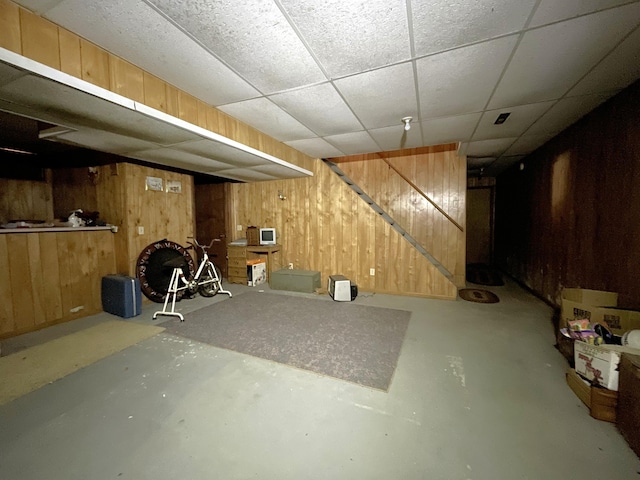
[{"x": 407, "y": 123}]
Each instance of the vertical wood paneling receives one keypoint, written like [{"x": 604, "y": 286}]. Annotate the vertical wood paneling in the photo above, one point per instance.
[
  {"x": 39, "y": 39},
  {"x": 155, "y": 92},
  {"x": 7, "y": 315},
  {"x": 50, "y": 269},
  {"x": 19, "y": 275},
  {"x": 126, "y": 79},
  {"x": 70, "y": 56},
  {"x": 23, "y": 199},
  {"x": 570, "y": 217},
  {"x": 95, "y": 64},
  {"x": 10, "y": 26}
]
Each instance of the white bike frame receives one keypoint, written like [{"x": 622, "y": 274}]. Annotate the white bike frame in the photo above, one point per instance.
[{"x": 178, "y": 277}]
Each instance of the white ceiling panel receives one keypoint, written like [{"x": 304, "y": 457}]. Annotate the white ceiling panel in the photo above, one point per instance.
[
  {"x": 334, "y": 78},
  {"x": 553, "y": 10},
  {"x": 519, "y": 120},
  {"x": 320, "y": 108},
  {"x": 444, "y": 91},
  {"x": 139, "y": 34},
  {"x": 353, "y": 36},
  {"x": 526, "y": 144},
  {"x": 564, "y": 113},
  {"x": 487, "y": 148},
  {"x": 395, "y": 138},
  {"x": 442, "y": 24},
  {"x": 168, "y": 156},
  {"x": 449, "y": 129},
  {"x": 239, "y": 31},
  {"x": 271, "y": 119},
  {"x": 616, "y": 71},
  {"x": 353, "y": 143},
  {"x": 316, "y": 148},
  {"x": 551, "y": 59},
  {"x": 213, "y": 150},
  {"x": 381, "y": 98},
  {"x": 104, "y": 141}
]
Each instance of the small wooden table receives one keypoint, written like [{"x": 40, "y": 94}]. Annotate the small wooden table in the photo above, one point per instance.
[{"x": 266, "y": 250}]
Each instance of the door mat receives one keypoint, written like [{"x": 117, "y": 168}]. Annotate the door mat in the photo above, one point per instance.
[
  {"x": 360, "y": 344},
  {"x": 29, "y": 369},
  {"x": 478, "y": 296},
  {"x": 482, "y": 274}
]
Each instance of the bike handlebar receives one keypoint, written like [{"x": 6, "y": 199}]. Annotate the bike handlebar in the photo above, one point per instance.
[{"x": 203, "y": 247}]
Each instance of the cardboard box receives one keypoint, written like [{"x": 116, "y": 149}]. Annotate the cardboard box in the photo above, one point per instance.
[
  {"x": 579, "y": 303},
  {"x": 599, "y": 363},
  {"x": 256, "y": 272},
  {"x": 580, "y": 386},
  {"x": 616, "y": 319},
  {"x": 629, "y": 401}
]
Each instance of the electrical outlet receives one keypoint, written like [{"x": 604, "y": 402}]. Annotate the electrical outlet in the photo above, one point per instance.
[
  {"x": 372, "y": 271},
  {"x": 239, "y": 228},
  {"x": 290, "y": 266},
  {"x": 140, "y": 230}
]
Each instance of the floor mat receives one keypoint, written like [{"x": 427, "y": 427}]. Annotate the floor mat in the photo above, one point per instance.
[
  {"x": 482, "y": 274},
  {"x": 478, "y": 296},
  {"x": 34, "y": 367},
  {"x": 357, "y": 343}
]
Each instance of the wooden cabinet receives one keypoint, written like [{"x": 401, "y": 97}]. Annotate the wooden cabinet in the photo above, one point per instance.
[{"x": 237, "y": 264}]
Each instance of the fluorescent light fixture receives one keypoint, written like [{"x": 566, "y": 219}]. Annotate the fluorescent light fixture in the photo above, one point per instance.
[
  {"x": 54, "y": 132},
  {"x": 17, "y": 150}
]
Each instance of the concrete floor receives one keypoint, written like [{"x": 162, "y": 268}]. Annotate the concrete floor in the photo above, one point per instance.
[{"x": 479, "y": 393}]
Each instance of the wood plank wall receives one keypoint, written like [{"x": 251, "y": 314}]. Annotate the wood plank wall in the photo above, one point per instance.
[
  {"x": 438, "y": 173},
  {"x": 52, "y": 277},
  {"x": 323, "y": 225},
  {"x": 570, "y": 218},
  {"x": 26, "y": 199}
]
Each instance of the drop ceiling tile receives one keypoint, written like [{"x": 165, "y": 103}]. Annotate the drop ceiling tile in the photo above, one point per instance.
[
  {"x": 564, "y": 113},
  {"x": 320, "y": 108},
  {"x": 267, "y": 117},
  {"x": 617, "y": 71},
  {"x": 104, "y": 141},
  {"x": 395, "y": 138},
  {"x": 38, "y": 6},
  {"x": 527, "y": 144},
  {"x": 245, "y": 175},
  {"x": 449, "y": 129},
  {"x": 353, "y": 143},
  {"x": 381, "y": 98},
  {"x": 315, "y": 148},
  {"x": 218, "y": 151},
  {"x": 552, "y": 10},
  {"x": 519, "y": 120},
  {"x": 461, "y": 81},
  {"x": 442, "y": 24},
  {"x": 488, "y": 148},
  {"x": 253, "y": 38},
  {"x": 353, "y": 36},
  {"x": 551, "y": 59},
  {"x": 139, "y": 34},
  {"x": 277, "y": 171},
  {"x": 168, "y": 156}
]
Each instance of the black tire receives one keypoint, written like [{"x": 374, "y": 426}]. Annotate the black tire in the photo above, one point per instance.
[{"x": 211, "y": 279}]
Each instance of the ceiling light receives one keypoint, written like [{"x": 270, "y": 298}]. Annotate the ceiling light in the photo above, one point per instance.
[
  {"x": 502, "y": 118},
  {"x": 16, "y": 150},
  {"x": 407, "y": 123}
]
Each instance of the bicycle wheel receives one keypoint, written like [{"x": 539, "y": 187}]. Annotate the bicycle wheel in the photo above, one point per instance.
[{"x": 209, "y": 282}]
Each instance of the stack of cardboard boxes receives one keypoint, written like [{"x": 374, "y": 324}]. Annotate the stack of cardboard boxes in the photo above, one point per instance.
[{"x": 596, "y": 376}]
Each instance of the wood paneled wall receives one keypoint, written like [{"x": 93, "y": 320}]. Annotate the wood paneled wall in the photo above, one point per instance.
[
  {"x": 25, "y": 199},
  {"x": 52, "y": 277},
  {"x": 34, "y": 37},
  {"x": 571, "y": 217},
  {"x": 323, "y": 225}
]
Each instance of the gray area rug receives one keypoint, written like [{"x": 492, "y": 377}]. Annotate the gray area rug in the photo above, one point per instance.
[{"x": 357, "y": 343}]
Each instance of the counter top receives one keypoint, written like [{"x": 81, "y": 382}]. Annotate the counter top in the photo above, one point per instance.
[{"x": 51, "y": 229}]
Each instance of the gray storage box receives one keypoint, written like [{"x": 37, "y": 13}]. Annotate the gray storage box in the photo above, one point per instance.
[{"x": 305, "y": 281}]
